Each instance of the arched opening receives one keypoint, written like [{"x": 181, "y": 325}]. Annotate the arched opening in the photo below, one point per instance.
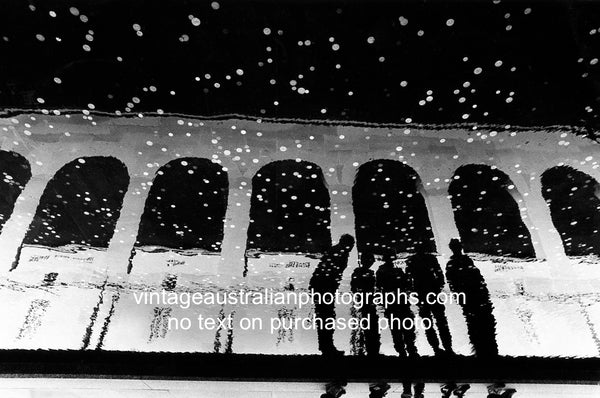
[
  {"x": 486, "y": 214},
  {"x": 185, "y": 208},
  {"x": 289, "y": 209},
  {"x": 575, "y": 208},
  {"x": 389, "y": 209},
  {"x": 80, "y": 205},
  {"x": 15, "y": 173}
]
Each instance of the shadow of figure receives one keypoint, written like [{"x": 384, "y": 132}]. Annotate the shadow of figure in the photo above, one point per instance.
[
  {"x": 379, "y": 389},
  {"x": 326, "y": 279},
  {"x": 453, "y": 389},
  {"x": 463, "y": 277},
  {"x": 334, "y": 389},
  {"x": 427, "y": 280},
  {"x": 499, "y": 390},
  {"x": 419, "y": 390},
  {"x": 363, "y": 283},
  {"x": 393, "y": 281}
]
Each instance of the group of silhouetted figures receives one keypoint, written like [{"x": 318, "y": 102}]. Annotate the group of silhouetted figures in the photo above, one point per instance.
[
  {"x": 447, "y": 390},
  {"x": 423, "y": 276}
]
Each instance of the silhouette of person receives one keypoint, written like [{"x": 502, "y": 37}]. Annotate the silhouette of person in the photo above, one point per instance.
[
  {"x": 458, "y": 390},
  {"x": 334, "y": 389},
  {"x": 379, "y": 389},
  {"x": 427, "y": 279},
  {"x": 363, "y": 282},
  {"x": 464, "y": 277},
  {"x": 419, "y": 390},
  {"x": 390, "y": 279},
  {"x": 499, "y": 390},
  {"x": 326, "y": 279}
]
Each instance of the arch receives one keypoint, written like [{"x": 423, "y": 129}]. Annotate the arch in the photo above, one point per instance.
[
  {"x": 486, "y": 213},
  {"x": 289, "y": 209},
  {"x": 81, "y": 204},
  {"x": 15, "y": 173},
  {"x": 389, "y": 210},
  {"x": 185, "y": 208},
  {"x": 572, "y": 197}
]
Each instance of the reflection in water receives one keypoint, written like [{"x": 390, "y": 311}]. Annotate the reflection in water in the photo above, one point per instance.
[
  {"x": 464, "y": 277},
  {"x": 380, "y": 389}
]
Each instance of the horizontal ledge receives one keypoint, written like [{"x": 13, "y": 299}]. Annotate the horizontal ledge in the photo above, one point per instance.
[
  {"x": 576, "y": 126},
  {"x": 253, "y": 367}
]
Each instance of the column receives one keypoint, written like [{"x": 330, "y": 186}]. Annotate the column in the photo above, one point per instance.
[
  {"x": 441, "y": 217},
  {"x": 119, "y": 249},
  {"x": 16, "y": 227},
  {"x": 237, "y": 220},
  {"x": 539, "y": 213}
]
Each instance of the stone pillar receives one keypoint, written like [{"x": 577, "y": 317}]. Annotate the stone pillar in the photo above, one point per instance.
[
  {"x": 16, "y": 227},
  {"x": 342, "y": 220},
  {"x": 441, "y": 217},
  {"x": 340, "y": 193},
  {"x": 127, "y": 226},
  {"x": 237, "y": 220},
  {"x": 522, "y": 194},
  {"x": 115, "y": 260},
  {"x": 539, "y": 213}
]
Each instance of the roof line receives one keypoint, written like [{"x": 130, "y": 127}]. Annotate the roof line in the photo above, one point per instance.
[{"x": 588, "y": 131}]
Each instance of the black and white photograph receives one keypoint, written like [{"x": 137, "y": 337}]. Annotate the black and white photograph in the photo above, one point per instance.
[{"x": 300, "y": 198}]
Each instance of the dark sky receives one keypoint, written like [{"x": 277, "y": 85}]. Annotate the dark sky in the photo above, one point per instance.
[{"x": 515, "y": 62}]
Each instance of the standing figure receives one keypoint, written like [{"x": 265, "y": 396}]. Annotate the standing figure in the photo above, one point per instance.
[
  {"x": 464, "y": 277},
  {"x": 390, "y": 279},
  {"x": 379, "y": 389},
  {"x": 499, "y": 390},
  {"x": 326, "y": 279},
  {"x": 458, "y": 390},
  {"x": 419, "y": 389},
  {"x": 363, "y": 283},
  {"x": 427, "y": 280},
  {"x": 334, "y": 389}
]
